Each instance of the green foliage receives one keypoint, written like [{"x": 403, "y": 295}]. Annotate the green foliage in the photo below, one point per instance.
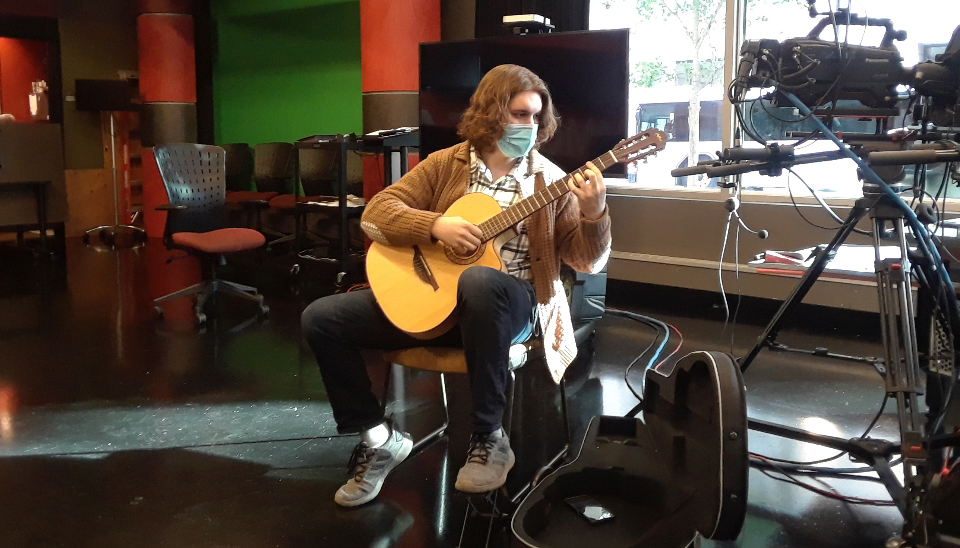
[
  {"x": 679, "y": 8},
  {"x": 709, "y": 10},
  {"x": 647, "y": 74}
]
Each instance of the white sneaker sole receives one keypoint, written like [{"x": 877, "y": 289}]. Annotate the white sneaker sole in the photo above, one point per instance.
[
  {"x": 466, "y": 487},
  {"x": 401, "y": 456}
]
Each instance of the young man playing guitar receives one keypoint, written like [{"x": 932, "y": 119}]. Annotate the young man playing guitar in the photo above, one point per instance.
[{"x": 510, "y": 114}]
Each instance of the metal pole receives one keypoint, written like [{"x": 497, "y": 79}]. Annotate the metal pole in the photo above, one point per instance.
[{"x": 113, "y": 168}]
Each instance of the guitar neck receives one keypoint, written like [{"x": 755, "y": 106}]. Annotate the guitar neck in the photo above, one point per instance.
[{"x": 526, "y": 207}]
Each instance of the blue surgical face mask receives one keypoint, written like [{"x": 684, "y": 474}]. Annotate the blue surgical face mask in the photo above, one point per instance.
[{"x": 517, "y": 139}]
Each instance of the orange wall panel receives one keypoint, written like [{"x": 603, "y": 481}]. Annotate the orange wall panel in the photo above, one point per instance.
[
  {"x": 21, "y": 62},
  {"x": 390, "y": 34},
  {"x": 168, "y": 71}
]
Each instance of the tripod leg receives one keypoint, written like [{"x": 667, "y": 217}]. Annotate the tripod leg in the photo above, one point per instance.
[
  {"x": 806, "y": 282},
  {"x": 898, "y": 328}
]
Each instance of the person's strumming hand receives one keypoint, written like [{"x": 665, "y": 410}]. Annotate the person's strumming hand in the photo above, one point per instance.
[
  {"x": 457, "y": 232},
  {"x": 590, "y": 192}
]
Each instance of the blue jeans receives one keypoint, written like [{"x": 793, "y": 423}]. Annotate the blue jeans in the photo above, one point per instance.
[{"x": 495, "y": 311}]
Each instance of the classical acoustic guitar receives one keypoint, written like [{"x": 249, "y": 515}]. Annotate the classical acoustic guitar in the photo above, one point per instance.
[{"x": 416, "y": 286}]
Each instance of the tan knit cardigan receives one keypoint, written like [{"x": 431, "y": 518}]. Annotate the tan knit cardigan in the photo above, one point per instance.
[{"x": 403, "y": 214}]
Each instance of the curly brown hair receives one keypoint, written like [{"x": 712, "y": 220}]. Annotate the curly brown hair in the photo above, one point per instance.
[{"x": 482, "y": 123}]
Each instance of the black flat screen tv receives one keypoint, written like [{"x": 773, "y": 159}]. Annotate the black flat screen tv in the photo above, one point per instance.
[{"x": 586, "y": 72}]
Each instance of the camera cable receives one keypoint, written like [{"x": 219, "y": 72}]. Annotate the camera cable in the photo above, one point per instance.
[{"x": 820, "y": 201}]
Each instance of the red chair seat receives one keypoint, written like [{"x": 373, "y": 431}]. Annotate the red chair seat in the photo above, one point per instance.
[
  {"x": 224, "y": 240},
  {"x": 289, "y": 201},
  {"x": 237, "y": 196}
]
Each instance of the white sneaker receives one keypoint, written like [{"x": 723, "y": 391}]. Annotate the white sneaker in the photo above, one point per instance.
[
  {"x": 488, "y": 463},
  {"x": 370, "y": 466}
]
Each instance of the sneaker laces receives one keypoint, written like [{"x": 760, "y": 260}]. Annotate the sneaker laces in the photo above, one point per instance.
[
  {"x": 481, "y": 445},
  {"x": 360, "y": 460}
]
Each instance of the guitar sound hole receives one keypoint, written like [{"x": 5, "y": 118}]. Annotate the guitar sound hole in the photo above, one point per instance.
[{"x": 458, "y": 258}]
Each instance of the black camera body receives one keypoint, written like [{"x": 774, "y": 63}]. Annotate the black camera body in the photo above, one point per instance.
[
  {"x": 810, "y": 67},
  {"x": 820, "y": 71},
  {"x": 939, "y": 81}
]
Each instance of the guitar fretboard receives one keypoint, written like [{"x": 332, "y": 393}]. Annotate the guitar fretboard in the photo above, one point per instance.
[{"x": 529, "y": 205}]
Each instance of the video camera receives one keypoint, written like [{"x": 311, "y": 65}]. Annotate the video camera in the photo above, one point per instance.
[{"x": 819, "y": 71}]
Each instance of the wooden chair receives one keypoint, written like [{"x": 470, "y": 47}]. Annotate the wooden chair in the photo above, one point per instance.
[{"x": 444, "y": 360}]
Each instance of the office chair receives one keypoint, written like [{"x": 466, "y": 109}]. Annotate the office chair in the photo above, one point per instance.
[
  {"x": 273, "y": 171},
  {"x": 317, "y": 176},
  {"x": 239, "y": 180},
  {"x": 194, "y": 177}
]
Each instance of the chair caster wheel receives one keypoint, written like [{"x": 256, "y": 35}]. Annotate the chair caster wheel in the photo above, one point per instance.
[
  {"x": 295, "y": 269},
  {"x": 158, "y": 310},
  {"x": 201, "y": 318},
  {"x": 264, "y": 311}
]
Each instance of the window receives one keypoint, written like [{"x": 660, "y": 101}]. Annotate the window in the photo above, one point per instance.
[{"x": 677, "y": 80}]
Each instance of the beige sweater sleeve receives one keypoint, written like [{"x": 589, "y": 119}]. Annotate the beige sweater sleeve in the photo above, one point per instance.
[{"x": 400, "y": 214}]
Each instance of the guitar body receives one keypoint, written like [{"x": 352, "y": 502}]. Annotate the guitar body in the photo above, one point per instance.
[{"x": 409, "y": 301}]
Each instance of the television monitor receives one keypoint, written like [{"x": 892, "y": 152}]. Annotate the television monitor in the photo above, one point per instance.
[
  {"x": 586, "y": 72},
  {"x": 106, "y": 95}
]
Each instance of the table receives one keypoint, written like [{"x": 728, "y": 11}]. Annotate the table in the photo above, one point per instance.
[
  {"x": 40, "y": 198},
  {"x": 385, "y": 144}
]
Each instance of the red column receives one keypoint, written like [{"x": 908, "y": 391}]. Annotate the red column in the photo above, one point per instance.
[
  {"x": 168, "y": 89},
  {"x": 390, "y": 35}
]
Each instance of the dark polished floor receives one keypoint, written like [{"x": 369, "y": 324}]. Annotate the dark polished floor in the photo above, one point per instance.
[{"x": 119, "y": 430}]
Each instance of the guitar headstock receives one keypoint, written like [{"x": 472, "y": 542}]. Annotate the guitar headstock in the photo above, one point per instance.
[{"x": 646, "y": 143}]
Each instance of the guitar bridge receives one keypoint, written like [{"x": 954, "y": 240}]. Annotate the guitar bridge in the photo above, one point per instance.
[{"x": 422, "y": 269}]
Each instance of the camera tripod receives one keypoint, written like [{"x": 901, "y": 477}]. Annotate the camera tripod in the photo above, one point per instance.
[
  {"x": 900, "y": 366},
  {"x": 926, "y": 490}
]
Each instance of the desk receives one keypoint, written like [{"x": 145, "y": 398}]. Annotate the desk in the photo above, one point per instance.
[
  {"x": 389, "y": 144},
  {"x": 40, "y": 199},
  {"x": 385, "y": 145}
]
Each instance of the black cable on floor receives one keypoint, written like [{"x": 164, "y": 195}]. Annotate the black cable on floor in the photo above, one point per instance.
[{"x": 652, "y": 322}]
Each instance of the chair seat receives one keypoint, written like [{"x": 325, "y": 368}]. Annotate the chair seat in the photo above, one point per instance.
[
  {"x": 444, "y": 359},
  {"x": 289, "y": 201},
  {"x": 224, "y": 240},
  {"x": 237, "y": 196}
]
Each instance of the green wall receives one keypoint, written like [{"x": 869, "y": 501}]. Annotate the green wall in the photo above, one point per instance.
[{"x": 286, "y": 69}]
